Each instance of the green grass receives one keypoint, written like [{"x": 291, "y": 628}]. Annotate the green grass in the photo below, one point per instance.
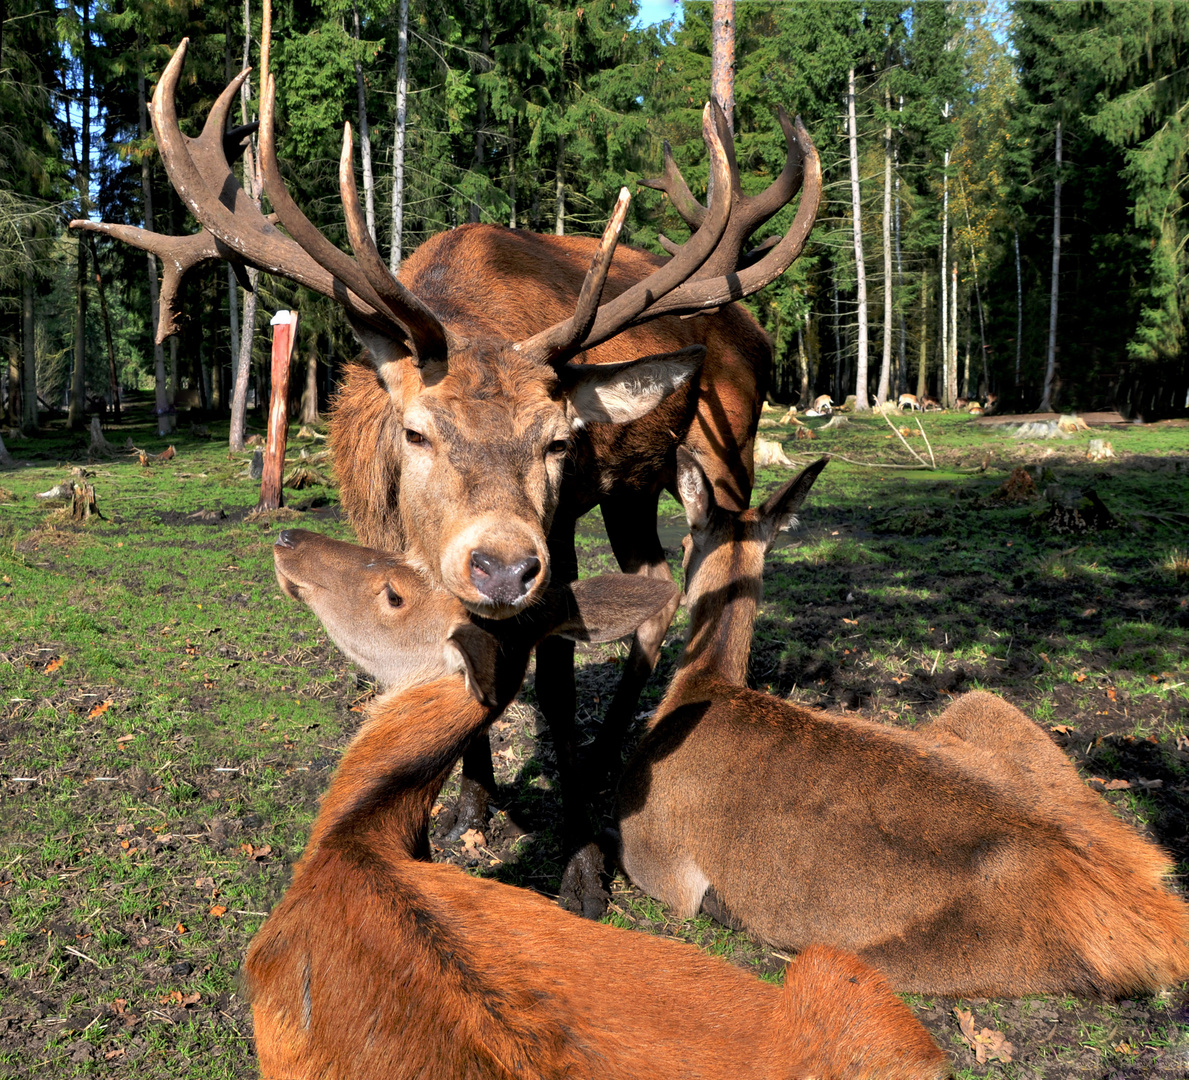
[{"x": 156, "y": 684}]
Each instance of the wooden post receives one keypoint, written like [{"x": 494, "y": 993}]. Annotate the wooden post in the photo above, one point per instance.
[{"x": 284, "y": 335}]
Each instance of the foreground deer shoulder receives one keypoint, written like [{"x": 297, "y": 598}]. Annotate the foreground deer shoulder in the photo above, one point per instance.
[
  {"x": 380, "y": 964},
  {"x": 510, "y": 386},
  {"x": 964, "y": 857}
]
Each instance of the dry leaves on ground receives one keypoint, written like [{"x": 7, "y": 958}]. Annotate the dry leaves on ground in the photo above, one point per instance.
[{"x": 987, "y": 1045}]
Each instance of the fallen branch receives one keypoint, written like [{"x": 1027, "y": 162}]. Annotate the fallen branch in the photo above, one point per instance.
[
  {"x": 924, "y": 464},
  {"x": 927, "y": 443}
]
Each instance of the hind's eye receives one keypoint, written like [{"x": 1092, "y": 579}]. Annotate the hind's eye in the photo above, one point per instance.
[
  {"x": 394, "y": 598},
  {"x": 414, "y": 437},
  {"x": 558, "y": 446}
]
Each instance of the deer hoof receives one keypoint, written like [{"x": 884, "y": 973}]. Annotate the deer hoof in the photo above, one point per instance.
[
  {"x": 582, "y": 890},
  {"x": 471, "y": 812}
]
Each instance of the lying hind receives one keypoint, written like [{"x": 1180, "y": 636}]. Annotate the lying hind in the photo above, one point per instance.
[
  {"x": 380, "y": 965},
  {"x": 962, "y": 858}
]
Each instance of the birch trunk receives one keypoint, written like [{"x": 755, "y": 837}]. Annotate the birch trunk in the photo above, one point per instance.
[
  {"x": 946, "y": 394},
  {"x": 885, "y": 367},
  {"x": 560, "y": 203},
  {"x": 861, "y": 403},
  {"x": 902, "y": 364},
  {"x": 239, "y": 392},
  {"x": 476, "y": 212},
  {"x": 398, "y": 149},
  {"x": 952, "y": 365},
  {"x": 1046, "y": 402},
  {"x": 512, "y": 173},
  {"x": 365, "y": 139},
  {"x": 923, "y": 365},
  {"x": 1019, "y": 306},
  {"x": 78, "y": 382}
]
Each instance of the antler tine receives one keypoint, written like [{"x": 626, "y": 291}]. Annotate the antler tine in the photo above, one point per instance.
[
  {"x": 673, "y": 184},
  {"x": 300, "y": 228},
  {"x": 555, "y": 346},
  {"x": 244, "y": 230},
  {"x": 178, "y": 254},
  {"x": 426, "y": 335},
  {"x": 560, "y": 338},
  {"x": 703, "y": 293}
]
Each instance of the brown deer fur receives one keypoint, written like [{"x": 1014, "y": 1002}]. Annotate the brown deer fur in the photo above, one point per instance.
[
  {"x": 965, "y": 857},
  {"x": 378, "y": 965},
  {"x": 495, "y": 414}
]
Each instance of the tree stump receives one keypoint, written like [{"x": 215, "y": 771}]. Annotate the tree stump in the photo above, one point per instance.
[
  {"x": 83, "y": 503},
  {"x": 100, "y": 447}
]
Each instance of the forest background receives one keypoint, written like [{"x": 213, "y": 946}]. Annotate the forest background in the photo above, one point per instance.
[{"x": 1019, "y": 173}]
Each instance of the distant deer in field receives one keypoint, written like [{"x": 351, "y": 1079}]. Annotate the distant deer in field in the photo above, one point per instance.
[
  {"x": 823, "y": 405},
  {"x": 930, "y": 404},
  {"x": 908, "y": 401},
  {"x": 511, "y": 385},
  {"x": 965, "y": 857},
  {"x": 380, "y": 964}
]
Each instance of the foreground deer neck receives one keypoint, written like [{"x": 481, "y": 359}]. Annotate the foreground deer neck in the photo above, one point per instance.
[
  {"x": 722, "y": 595},
  {"x": 391, "y": 774}
]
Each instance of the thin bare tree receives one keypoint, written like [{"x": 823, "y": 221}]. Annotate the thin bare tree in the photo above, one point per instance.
[
  {"x": 861, "y": 402},
  {"x": 1046, "y": 401}
]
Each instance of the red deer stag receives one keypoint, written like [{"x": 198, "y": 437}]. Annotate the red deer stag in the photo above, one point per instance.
[
  {"x": 378, "y": 964},
  {"x": 512, "y": 387},
  {"x": 962, "y": 858}
]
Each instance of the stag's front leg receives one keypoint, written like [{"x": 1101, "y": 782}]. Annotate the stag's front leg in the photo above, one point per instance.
[
  {"x": 581, "y": 890},
  {"x": 631, "y": 528}
]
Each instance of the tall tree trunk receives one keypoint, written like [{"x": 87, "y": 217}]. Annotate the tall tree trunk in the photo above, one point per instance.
[
  {"x": 476, "y": 211},
  {"x": 111, "y": 349},
  {"x": 839, "y": 390},
  {"x": 952, "y": 362},
  {"x": 923, "y": 364},
  {"x": 243, "y": 369},
  {"x": 78, "y": 382},
  {"x": 28, "y": 341},
  {"x": 309, "y": 396},
  {"x": 398, "y": 149},
  {"x": 365, "y": 139},
  {"x": 13, "y": 377},
  {"x": 1019, "y": 306},
  {"x": 722, "y": 65},
  {"x": 902, "y": 364},
  {"x": 861, "y": 403},
  {"x": 885, "y": 367},
  {"x": 1046, "y": 402},
  {"x": 803, "y": 357},
  {"x": 947, "y": 396},
  {"x": 512, "y": 173},
  {"x": 165, "y": 419},
  {"x": 559, "y": 205}
]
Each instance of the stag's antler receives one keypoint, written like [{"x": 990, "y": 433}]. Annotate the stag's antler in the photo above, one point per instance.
[
  {"x": 235, "y": 229},
  {"x": 709, "y": 269}
]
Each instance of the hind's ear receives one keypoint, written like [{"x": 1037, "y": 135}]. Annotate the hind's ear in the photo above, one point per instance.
[
  {"x": 610, "y": 606},
  {"x": 473, "y": 652},
  {"x": 693, "y": 489},
  {"x": 780, "y": 510}
]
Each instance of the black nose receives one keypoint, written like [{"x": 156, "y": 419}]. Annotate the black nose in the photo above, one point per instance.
[
  {"x": 500, "y": 582},
  {"x": 285, "y": 539}
]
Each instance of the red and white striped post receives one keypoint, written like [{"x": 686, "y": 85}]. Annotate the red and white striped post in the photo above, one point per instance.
[{"x": 284, "y": 337}]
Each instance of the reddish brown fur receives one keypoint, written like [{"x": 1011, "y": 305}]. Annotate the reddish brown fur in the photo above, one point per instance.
[
  {"x": 962, "y": 858},
  {"x": 378, "y": 966}
]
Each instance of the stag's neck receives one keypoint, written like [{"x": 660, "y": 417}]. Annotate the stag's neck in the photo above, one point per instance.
[
  {"x": 722, "y": 597},
  {"x": 392, "y": 773}
]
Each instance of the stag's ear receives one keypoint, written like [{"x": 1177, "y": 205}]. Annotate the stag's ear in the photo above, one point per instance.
[
  {"x": 617, "y": 393},
  {"x": 610, "y": 606},
  {"x": 385, "y": 352},
  {"x": 473, "y": 652},
  {"x": 779, "y": 512},
  {"x": 693, "y": 489}
]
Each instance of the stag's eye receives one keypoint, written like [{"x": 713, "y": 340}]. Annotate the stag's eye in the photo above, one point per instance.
[
  {"x": 394, "y": 598},
  {"x": 558, "y": 446},
  {"x": 415, "y": 438}
]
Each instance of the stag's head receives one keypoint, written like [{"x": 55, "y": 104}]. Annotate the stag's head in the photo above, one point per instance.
[{"x": 481, "y": 425}]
